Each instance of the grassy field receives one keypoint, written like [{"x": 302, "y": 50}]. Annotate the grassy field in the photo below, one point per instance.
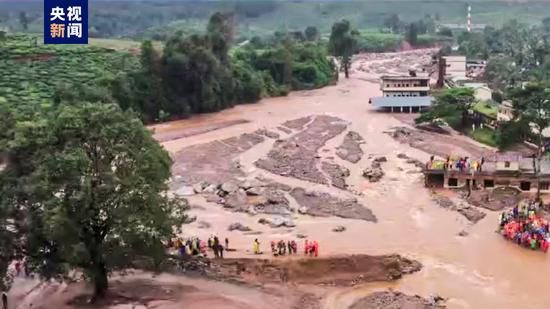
[{"x": 485, "y": 136}]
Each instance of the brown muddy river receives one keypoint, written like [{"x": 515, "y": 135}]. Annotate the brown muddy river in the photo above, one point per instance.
[{"x": 480, "y": 270}]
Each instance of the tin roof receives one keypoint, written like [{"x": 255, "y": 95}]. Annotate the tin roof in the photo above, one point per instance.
[{"x": 402, "y": 101}]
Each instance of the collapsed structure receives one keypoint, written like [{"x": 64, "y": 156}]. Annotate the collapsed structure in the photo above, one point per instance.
[{"x": 496, "y": 170}]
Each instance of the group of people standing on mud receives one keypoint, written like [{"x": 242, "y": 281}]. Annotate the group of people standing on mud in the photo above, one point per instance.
[
  {"x": 525, "y": 226},
  {"x": 290, "y": 247},
  {"x": 462, "y": 164},
  {"x": 196, "y": 247}
]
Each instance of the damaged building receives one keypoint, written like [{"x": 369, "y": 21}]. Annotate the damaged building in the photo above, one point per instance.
[{"x": 498, "y": 170}]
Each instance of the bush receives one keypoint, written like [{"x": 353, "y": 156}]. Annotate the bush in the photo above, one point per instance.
[{"x": 249, "y": 84}]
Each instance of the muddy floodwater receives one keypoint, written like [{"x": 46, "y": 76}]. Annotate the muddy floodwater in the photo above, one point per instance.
[{"x": 478, "y": 270}]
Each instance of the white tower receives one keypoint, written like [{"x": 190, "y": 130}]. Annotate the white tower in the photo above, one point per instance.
[{"x": 469, "y": 26}]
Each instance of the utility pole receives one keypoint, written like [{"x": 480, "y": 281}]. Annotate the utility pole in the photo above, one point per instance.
[{"x": 469, "y": 25}]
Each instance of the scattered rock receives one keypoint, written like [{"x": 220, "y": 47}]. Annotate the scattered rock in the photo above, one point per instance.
[
  {"x": 297, "y": 124},
  {"x": 471, "y": 213},
  {"x": 402, "y": 156},
  {"x": 301, "y": 236},
  {"x": 339, "y": 228},
  {"x": 463, "y": 233},
  {"x": 236, "y": 200},
  {"x": 302, "y": 210},
  {"x": 203, "y": 225},
  {"x": 267, "y": 133},
  {"x": 185, "y": 191},
  {"x": 249, "y": 183},
  {"x": 229, "y": 187},
  {"x": 373, "y": 174},
  {"x": 380, "y": 159},
  {"x": 293, "y": 156},
  {"x": 197, "y": 188},
  {"x": 238, "y": 227},
  {"x": 285, "y": 130},
  {"x": 396, "y": 300},
  {"x": 253, "y": 233},
  {"x": 277, "y": 222},
  {"x": 254, "y": 191},
  {"x": 350, "y": 149},
  {"x": 337, "y": 173},
  {"x": 210, "y": 189},
  {"x": 324, "y": 205}
]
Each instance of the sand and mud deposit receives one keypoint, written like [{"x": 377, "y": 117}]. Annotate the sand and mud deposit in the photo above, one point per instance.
[{"x": 292, "y": 167}]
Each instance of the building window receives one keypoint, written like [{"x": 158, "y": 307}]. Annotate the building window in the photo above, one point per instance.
[
  {"x": 506, "y": 164},
  {"x": 543, "y": 185},
  {"x": 452, "y": 182},
  {"x": 488, "y": 183},
  {"x": 525, "y": 186}
]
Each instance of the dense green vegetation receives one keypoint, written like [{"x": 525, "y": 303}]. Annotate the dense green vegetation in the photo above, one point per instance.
[
  {"x": 32, "y": 72},
  {"x": 192, "y": 74},
  {"x": 160, "y": 19}
]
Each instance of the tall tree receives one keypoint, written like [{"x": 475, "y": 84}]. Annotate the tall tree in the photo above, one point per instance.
[
  {"x": 90, "y": 181},
  {"x": 220, "y": 33},
  {"x": 532, "y": 102},
  {"x": 343, "y": 43},
  {"x": 393, "y": 23},
  {"x": 311, "y": 33},
  {"x": 412, "y": 34},
  {"x": 450, "y": 102}
]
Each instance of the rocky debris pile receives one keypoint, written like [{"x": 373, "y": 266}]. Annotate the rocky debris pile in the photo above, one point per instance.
[
  {"x": 412, "y": 161},
  {"x": 285, "y": 130},
  {"x": 374, "y": 173},
  {"x": 496, "y": 199},
  {"x": 471, "y": 213},
  {"x": 297, "y": 124},
  {"x": 267, "y": 133},
  {"x": 322, "y": 204},
  {"x": 203, "y": 225},
  {"x": 252, "y": 196},
  {"x": 338, "y": 271},
  {"x": 277, "y": 222},
  {"x": 239, "y": 227},
  {"x": 396, "y": 300},
  {"x": 337, "y": 174},
  {"x": 212, "y": 162},
  {"x": 297, "y": 155},
  {"x": 350, "y": 150},
  {"x": 339, "y": 228}
]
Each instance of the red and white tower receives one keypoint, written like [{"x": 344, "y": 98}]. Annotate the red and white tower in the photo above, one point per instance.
[{"x": 469, "y": 26}]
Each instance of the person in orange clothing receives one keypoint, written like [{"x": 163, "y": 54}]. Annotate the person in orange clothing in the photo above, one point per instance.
[
  {"x": 316, "y": 248},
  {"x": 306, "y": 247}
]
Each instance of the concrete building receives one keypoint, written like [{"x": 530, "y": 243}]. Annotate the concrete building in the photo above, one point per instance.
[
  {"x": 498, "y": 170},
  {"x": 403, "y": 94},
  {"x": 482, "y": 91},
  {"x": 505, "y": 111},
  {"x": 455, "y": 66}
]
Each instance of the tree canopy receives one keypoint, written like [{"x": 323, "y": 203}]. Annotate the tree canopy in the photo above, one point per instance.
[
  {"x": 85, "y": 186},
  {"x": 343, "y": 43}
]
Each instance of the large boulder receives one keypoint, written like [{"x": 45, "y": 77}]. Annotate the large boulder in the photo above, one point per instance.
[
  {"x": 229, "y": 187},
  {"x": 185, "y": 191},
  {"x": 236, "y": 200},
  {"x": 239, "y": 227},
  {"x": 339, "y": 228},
  {"x": 277, "y": 222},
  {"x": 373, "y": 174},
  {"x": 255, "y": 191}
]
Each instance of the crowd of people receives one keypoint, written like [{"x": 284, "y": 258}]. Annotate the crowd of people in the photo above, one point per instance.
[
  {"x": 462, "y": 164},
  {"x": 525, "y": 226},
  {"x": 196, "y": 247},
  {"x": 281, "y": 248}
]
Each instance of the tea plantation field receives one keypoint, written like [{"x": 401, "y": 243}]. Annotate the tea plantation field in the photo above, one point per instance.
[{"x": 31, "y": 71}]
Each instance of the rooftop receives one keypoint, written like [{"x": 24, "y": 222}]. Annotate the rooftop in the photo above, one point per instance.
[
  {"x": 404, "y": 77},
  {"x": 402, "y": 101},
  {"x": 405, "y": 89},
  {"x": 455, "y": 58}
]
